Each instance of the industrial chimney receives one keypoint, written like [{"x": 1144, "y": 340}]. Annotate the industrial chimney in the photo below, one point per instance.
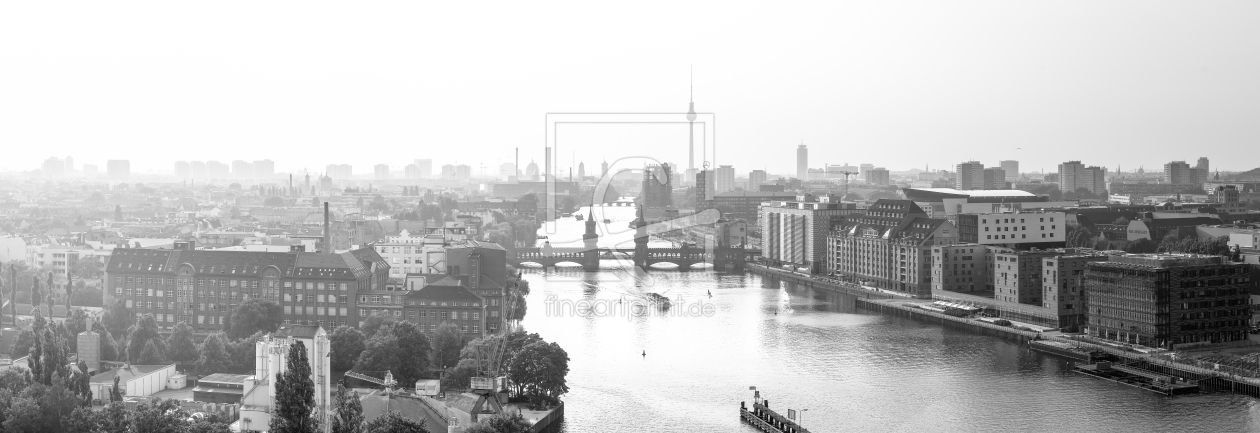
[{"x": 325, "y": 248}]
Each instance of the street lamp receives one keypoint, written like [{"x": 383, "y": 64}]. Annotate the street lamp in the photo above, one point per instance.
[{"x": 802, "y": 420}]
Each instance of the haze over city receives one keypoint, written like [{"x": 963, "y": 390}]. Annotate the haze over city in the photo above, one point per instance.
[{"x": 935, "y": 82}]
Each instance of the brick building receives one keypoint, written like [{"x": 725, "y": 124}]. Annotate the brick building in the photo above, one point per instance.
[
  {"x": 1168, "y": 300},
  {"x": 446, "y": 301},
  {"x": 200, "y": 288}
]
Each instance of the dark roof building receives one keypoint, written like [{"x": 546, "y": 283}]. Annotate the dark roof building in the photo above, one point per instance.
[
  {"x": 201, "y": 287},
  {"x": 889, "y": 247}
]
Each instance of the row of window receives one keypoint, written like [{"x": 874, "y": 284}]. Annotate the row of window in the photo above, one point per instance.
[
  {"x": 1022, "y": 236},
  {"x": 252, "y": 284}
]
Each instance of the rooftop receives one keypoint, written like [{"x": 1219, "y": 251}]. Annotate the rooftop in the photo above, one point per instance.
[{"x": 126, "y": 374}]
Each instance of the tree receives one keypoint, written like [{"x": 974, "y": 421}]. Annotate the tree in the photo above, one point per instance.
[
  {"x": 113, "y": 419},
  {"x": 509, "y": 422},
  {"x": 380, "y": 354},
  {"x": 83, "y": 419},
  {"x": 447, "y": 342},
  {"x": 242, "y": 352},
  {"x": 457, "y": 377},
  {"x": 213, "y": 356},
  {"x": 348, "y": 415},
  {"x": 144, "y": 331},
  {"x": 109, "y": 347},
  {"x": 118, "y": 318},
  {"x": 1140, "y": 246},
  {"x": 255, "y": 315},
  {"x": 540, "y": 369},
  {"x": 180, "y": 346},
  {"x": 115, "y": 393},
  {"x": 159, "y": 416},
  {"x": 90, "y": 267},
  {"x": 346, "y": 344},
  {"x": 152, "y": 355},
  {"x": 393, "y": 422},
  {"x": 295, "y": 394},
  {"x": 413, "y": 348},
  {"x": 375, "y": 323},
  {"x": 25, "y": 340}
]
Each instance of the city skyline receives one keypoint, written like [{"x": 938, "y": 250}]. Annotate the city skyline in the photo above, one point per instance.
[{"x": 1093, "y": 93}]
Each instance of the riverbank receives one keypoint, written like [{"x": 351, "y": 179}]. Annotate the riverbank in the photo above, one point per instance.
[{"x": 901, "y": 306}]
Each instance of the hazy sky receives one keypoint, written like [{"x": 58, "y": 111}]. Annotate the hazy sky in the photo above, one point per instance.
[{"x": 897, "y": 84}]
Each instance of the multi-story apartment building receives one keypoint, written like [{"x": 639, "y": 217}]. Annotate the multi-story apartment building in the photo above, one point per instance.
[
  {"x": 1011, "y": 168},
  {"x": 889, "y": 247},
  {"x": 1073, "y": 175},
  {"x": 1181, "y": 173},
  {"x": 201, "y": 287},
  {"x": 1014, "y": 229},
  {"x": 1063, "y": 285},
  {"x": 388, "y": 303},
  {"x": 407, "y": 254},
  {"x": 1017, "y": 276},
  {"x": 878, "y": 176},
  {"x": 380, "y": 171},
  {"x": 994, "y": 178},
  {"x": 794, "y": 233},
  {"x": 970, "y": 175},
  {"x": 756, "y": 178},
  {"x": 723, "y": 179},
  {"x": 446, "y": 301},
  {"x": 962, "y": 268},
  {"x": 1168, "y": 300}
]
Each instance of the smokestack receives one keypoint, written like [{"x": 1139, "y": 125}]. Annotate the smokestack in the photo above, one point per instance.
[
  {"x": 325, "y": 248},
  {"x": 517, "y": 168}
]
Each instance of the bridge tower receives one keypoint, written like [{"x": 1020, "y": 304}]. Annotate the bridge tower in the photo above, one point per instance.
[
  {"x": 640, "y": 240},
  {"x": 590, "y": 256}
]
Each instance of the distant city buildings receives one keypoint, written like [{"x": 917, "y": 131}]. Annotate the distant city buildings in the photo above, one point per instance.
[
  {"x": 970, "y": 175},
  {"x": 1074, "y": 175},
  {"x": 339, "y": 171},
  {"x": 723, "y": 179},
  {"x": 802, "y": 162},
  {"x": 380, "y": 171},
  {"x": 1180, "y": 173},
  {"x": 756, "y": 178},
  {"x": 118, "y": 169},
  {"x": 1011, "y": 168},
  {"x": 878, "y": 176},
  {"x": 994, "y": 178}
]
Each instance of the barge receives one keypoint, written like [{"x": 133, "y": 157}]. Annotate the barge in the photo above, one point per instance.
[
  {"x": 1070, "y": 351},
  {"x": 1138, "y": 378}
]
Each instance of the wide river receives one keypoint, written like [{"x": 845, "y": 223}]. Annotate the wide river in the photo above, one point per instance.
[{"x": 853, "y": 370}]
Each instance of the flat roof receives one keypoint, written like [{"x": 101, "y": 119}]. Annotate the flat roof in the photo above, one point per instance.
[
  {"x": 126, "y": 374},
  {"x": 978, "y": 192}
]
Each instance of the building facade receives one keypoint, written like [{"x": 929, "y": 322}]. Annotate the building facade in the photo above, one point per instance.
[
  {"x": 970, "y": 176},
  {"x": 201, "y": 288},
  {"x": 889, "y": 247},
  {"x": 962, "y": 268},
  {"x": 1168, "y": 300},
  {"x": 794, "y": 233},
  {"x": 1014, "y": 230},
  {"x": 1011, "y": 168},
  {"x": 1063, "y": 285}
]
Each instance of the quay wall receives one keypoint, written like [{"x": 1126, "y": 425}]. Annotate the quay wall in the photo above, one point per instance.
[{"x": 879, "y": 302}]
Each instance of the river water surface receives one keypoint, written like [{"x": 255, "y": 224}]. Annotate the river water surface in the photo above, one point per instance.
[{"x": 853, "y": 370}]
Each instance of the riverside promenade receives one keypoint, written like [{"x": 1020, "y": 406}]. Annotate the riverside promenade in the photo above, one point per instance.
[{"x": 904, "y": 306}]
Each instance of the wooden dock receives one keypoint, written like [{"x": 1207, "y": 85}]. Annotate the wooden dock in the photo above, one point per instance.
[{"x": 767, "y": 420}]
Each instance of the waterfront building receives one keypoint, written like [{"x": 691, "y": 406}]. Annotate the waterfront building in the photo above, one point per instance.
[
  {"x": 1014, "y": 229},
  {"x": 1063, "y": 285},
  {"x": 963, "y": 268},
  {"x": 201, "y": 287},
  {"x": 1017, "y": 276},
  {"x": 794, "y": 233},
  {"x": 889, "y": 246},
  {"x": 1168, "y": 300},
  {"x": 970, "y": 176}
]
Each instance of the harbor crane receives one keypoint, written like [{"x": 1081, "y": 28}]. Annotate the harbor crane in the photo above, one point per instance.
[
  {"x": 845, "y": 189},
  {"x": 388, "y": 383}
]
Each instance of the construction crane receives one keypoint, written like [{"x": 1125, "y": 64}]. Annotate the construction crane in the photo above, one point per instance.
[
  {"x": 845, "y": 190},
  {"x": 388, "y": 383}
]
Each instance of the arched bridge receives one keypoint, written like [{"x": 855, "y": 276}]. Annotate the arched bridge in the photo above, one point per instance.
[{"x": 684, "y": 257}]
